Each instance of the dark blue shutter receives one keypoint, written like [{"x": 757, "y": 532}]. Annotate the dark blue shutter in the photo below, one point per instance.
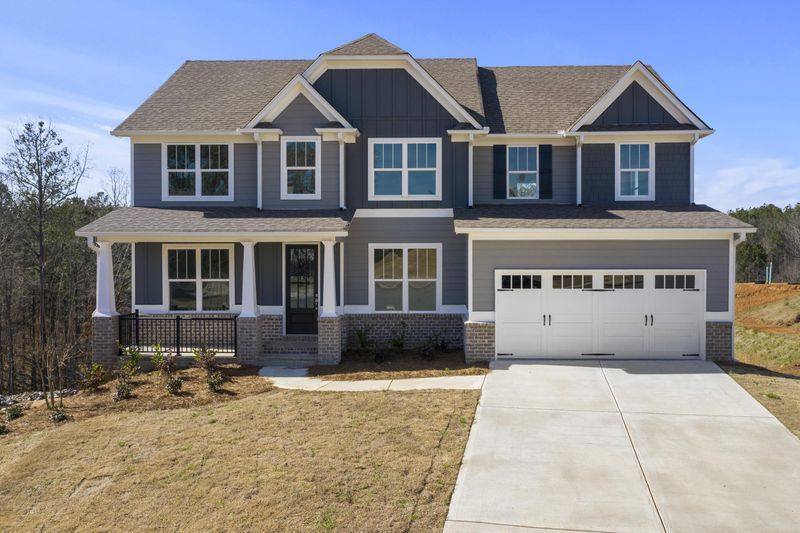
[
  {"x": 499, "y": 158},
  {"x": 546, "y": 171}
]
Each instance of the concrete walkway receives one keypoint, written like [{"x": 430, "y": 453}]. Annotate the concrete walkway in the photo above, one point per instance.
[
  {"x": 296, "y": 378},
  {"x": 624, "y": 446}
]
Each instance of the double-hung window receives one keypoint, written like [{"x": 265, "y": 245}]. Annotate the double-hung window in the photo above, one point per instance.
[
  {"x": 405, "y": 278},
  {"x": 194, "y": 172},
  {"x": 198, "y": 278},
  {"x": 300, "y": 168},
  {"x": 523, "y": 172},
  {"x": 635, "y": 172},
  {"x": 405, "y": 169}
]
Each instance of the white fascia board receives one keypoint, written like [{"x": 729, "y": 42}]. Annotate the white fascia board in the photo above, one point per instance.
[
  {"x": 326, "y": 62},
  {"x": 520, "y": 234},
  {"x": 296, "y": 86},
  {"x": 404, "y": 213},
  {"x": 249, "y": 131},
  {"x": 201, "y": 237},
  {"x": 175, "y": 133},
  {"x": 662, "y": 94},
  {"x": 524, "y": 139}
]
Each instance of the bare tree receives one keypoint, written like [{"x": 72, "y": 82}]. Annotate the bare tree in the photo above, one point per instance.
[{"x": 117, "y": 186}]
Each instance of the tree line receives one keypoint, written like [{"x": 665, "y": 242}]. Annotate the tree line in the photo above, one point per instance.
[{"x": 777, "y": 241}]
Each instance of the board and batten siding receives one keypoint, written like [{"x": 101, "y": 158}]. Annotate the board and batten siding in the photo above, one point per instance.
[
  {"x": 671, "y": 168},
  {"x": 364, "y": 231},
  {"x": 709, "y": 255},
  {"x": 390, "y": 103},
  {"x": 147, "y": 178},
  {"x": 564, "y": 177}
]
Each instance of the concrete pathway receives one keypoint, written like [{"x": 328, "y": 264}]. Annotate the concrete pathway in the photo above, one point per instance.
[
  {"x": 296, "y": 378},
  {"x": 624, "y": 446}
]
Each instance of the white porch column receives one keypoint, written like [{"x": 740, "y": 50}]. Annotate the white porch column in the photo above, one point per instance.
[
  {"x": 249, "y": 306},
  {"x": 329, "y": 281},
  {"x": 104, "y": 304}
]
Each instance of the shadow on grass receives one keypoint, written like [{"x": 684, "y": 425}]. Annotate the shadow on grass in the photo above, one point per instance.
[
  {"x": 408, "y": 363},
  {"x": 746, "y": 368}
]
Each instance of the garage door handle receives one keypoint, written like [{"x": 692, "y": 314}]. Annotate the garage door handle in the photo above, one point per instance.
[
  {"x": 651, "y": 320},
  {"x": 645, "y": 320},
  {"x": 544, "y": 320},
  {"x": 549, "y": 320}
]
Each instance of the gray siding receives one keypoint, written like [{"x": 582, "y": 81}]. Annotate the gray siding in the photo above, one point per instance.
[
  {"x": 329, "y": 180},
  {"x": 390, "y": 103},
  {"x": 269, "y": 273},
  {"x": 364, "y": 231},
  {"x": 147, "y": 177},
  {"x": 491, "y": 255},
  {"x": 148, "y": 273},
  {"x": 634, "y": 106},
  {"x": 671, "y": 169},
  {"x": 300, "y": 118},
  {"x": 564, "y": 176}
]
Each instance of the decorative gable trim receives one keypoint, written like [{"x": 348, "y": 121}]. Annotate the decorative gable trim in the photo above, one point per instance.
[
  {"x": 326, "y": 62},
  {"x": 655, "y": 87},
  {"x": 298, "y": 85}
]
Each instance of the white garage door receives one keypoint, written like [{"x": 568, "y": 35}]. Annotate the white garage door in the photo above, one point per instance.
[{"x": 599, "y": 314}]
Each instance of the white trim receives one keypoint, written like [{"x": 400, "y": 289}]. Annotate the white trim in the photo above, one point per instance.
[
  {"x": 296, "y": 86},
  {"x": 328, "y": 307},
  {"x": 198, "y": 174},
  {"x": 198, "y": 280},
  {"x": 210, "y": 236},
  {"x": 470, "y": 171},
  {"x": 691, "y": 168},
  {"x": 404, "y": 195},
  {"x": 469, "y": 274},
  {"x": 285, "y": 195},
  {"x": 579, "y": 170},
  {"x": 660, "y": 93},
  {"x": 341, "y": 277},
  {"x": 718, "y": 316},
  {"x": 177, "y": 133},
  {"x": 133, "y": 275},
  {"x": 481, "y": 316},
  {"x": 405, "y": 280},
  {"x": 132, "y": 166},
  {"x": 522, "y": 234},
  {"x": 249, "y": 293},
  {"x": 270, "y": 310},
  {"x": 404, "y": 61},
  {"x": 732, "y": 282},
  {"x": 259, "y": 171},
  {"x": 509, "y": 171},
  {"x": 651, "y": 174},
  {"x": 367, "y": 310},
  {"x": 342, "y": 177},
  {"x": 404, "y": 213}
]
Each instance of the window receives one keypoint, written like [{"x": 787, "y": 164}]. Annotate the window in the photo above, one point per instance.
[
  {"x": 197, "y": 172},
  {"x": 405, "y": 278},
  {"x": 576, "y": 281},
  {"x": 520, "y": 281},
  {"x": 408, "y": 169},
  {"x": 684, "y": 282},
  {"x": 523, "y": 172},
  {"x": 300, "y": 168},
  {"x": 198, "y": 279},
  {"x": 635, "y": 172},
  {"x": 623, "y": 281}
]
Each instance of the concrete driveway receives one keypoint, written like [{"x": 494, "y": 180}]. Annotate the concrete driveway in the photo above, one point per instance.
[{"x": 624, "y": 446}]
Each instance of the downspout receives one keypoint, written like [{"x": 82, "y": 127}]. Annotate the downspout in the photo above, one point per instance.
[
  {"x": 578, "y": 170},
  {"x": 342, "y": 203},
  {"x": 259, "y": 164},
  {"x": 470, "y": 170},
  {"x": 695, "y": 138}
]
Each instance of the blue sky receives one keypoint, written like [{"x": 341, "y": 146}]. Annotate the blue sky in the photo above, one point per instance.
[{"x": 85, "y": 65}]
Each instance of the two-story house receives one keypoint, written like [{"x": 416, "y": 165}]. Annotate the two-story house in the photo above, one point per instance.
[{"x": 514, "y": 211}]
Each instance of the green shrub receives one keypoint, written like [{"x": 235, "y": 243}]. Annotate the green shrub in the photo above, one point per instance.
[
  {"x": 13, "y": 412},
  {"x": 206, "y": 359},
  {"x": 3, "y": 428},
  {"x": 123, "y": 391},
  {"x": 58, "y": 416},
  {"x": 363, "y": 340},
  {"x": 174, "y": 385},
  {"x": 215, "y": 381},
  {"x": 134, "y": 358},
  {"x": 157, "y": 359},
  {"x": 92, "y": 375},
  {"x": 398, "y": 340}
]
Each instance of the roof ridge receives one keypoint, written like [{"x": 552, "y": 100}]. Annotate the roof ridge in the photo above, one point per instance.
[
  {"x": 243, "y": 60},
  {"x": 388, "y": 46},
  {"x": 558, "y": 66}
]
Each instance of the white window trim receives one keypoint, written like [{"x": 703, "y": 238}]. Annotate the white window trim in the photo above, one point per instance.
[
  {"x": 404, "y": 190},
  {"x": 509, "y": 171},
  {"x": 405, "y": 247},
  {"x": 198, "y": 280},
  {"x": 198, "y": 183},
  {"x": 285, "y": 195},
  {"x": 651, "y": 196}
]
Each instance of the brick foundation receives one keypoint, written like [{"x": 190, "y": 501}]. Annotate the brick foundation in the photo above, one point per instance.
[
  {"x": 478, "y": 341},
  {"x": 329, "y": 340},
  {"x": 719, "y": 341},
  {"x": 249, "y": 339},
  {"x": 105, "y": 338},
  {"x": 420, "y": 329}
]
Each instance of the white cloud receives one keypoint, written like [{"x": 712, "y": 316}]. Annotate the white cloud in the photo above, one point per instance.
[
  {"x": 750, "y": 182},
  {"x": 59, "y": 101}
]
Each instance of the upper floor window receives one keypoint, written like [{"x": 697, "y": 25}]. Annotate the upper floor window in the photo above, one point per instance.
[
  {"x": 635, "y": 172},
  {"x": 405, "y": 169},
  {"x": 300, "y": 168},
  {"x": 197, "y": 172},
  {"x": 523, "y": 172}
]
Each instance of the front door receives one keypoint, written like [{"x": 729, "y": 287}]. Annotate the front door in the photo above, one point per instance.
[{"x": 301, "y": 289}]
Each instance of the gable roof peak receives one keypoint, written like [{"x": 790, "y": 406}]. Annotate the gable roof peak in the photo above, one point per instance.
[{"x": 370, "y": 44}]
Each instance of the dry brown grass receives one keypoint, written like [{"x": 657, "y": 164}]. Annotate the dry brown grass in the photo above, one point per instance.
[
  {"x": 357, "y": 365},
  {"x": 276, "y": 461}
]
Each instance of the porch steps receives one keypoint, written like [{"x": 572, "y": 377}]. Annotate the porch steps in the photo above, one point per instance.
[
  {"x": 289, "y": 360},
  {"x": 293, "y": 344}
]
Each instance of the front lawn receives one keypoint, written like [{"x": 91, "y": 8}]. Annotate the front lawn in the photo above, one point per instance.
[
  {"x": 274, "y": 460},
  {"x": 397, "y": 364}
]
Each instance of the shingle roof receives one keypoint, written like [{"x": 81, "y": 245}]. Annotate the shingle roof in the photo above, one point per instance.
[
  {"x": 575, "y": 217},
  {"x": 148, "y": 220},
  {"x": 459, "y": 77},
  {"x": 370, "y": 44},
  {"x": 542, "y": 99}
]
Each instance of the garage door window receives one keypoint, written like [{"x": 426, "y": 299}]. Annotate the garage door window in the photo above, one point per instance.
[
  {"x": 675, "y": 281},
  {"x": 521, "y": 281},
  {"x": 572, "y": 281},
  {"x": 623, "y": 281}
]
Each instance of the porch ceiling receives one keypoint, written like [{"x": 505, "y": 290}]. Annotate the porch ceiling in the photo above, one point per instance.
[{"x": 216, "y": 223}]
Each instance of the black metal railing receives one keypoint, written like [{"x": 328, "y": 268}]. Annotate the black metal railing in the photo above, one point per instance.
[{"x": 178, "y": 334}]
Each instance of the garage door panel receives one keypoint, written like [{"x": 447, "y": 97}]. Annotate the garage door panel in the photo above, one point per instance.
[{"x": 519, "y": 339}]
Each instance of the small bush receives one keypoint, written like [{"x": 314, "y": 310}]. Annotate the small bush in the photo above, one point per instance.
[
  {"x": 158, "y": 359},
  {"x": 13, "y": 412},
  {"x": 58, "y": 416},
  {"x": 3, "y": 428},
  {"x": 398, "y": 340},
  {"x": 215, "y": 381},
  {"x": 123, "y": 391},
  {"x": 124, "y": 374},
  {"x": 205, "y": 359},
  {"x": 92, "y": 376},
  {"x": 363, "y": 339},
  {"x": 134, "y": 359},
  {"x": 174, "y": 385}
]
